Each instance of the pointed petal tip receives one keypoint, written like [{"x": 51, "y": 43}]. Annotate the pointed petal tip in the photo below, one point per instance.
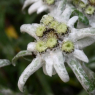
[
  {"x": 67, "y": 79},
  {"x": 20, "y": 86},
  {"x": 31, "y": 46},
  {"x": 79, "y": 54},
  {"x": 24, "y": 27}
]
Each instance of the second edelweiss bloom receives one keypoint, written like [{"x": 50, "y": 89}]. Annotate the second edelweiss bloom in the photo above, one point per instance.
[
  {"x": 40, "y": 5},
  {"x": 88, "y": 8},
  {"x": 57, "y": 42}
]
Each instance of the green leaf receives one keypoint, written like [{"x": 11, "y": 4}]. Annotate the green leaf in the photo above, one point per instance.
[
  {"x": 82, "y": 17},
  {"x": 21, "y": 54},
  {"x": 4, "y": 62}
]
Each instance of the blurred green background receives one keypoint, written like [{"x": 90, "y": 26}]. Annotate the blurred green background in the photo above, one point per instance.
[{"x": 12, "y": 41}]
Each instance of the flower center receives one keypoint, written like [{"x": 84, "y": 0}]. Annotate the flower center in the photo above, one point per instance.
[
  {"x": 90, "y": 10},
  {"x": 49, "y": 2},
  {"x": 51, "y": 39},
  {"x": 46, "y": 19},
  {"x": 40, "y": 30},
  {"x": 53, "y": 24},
  {"x": 62, "y": 28},
  {"x": 67, "y": 46},
  {"x": 41, "y": 46}
]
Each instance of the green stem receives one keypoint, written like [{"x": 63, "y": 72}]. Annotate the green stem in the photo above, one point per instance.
[{"x": 44, "y": 83}]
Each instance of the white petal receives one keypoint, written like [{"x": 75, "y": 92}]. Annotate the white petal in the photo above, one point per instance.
[
  {"x": 92, "y": 24},
  {"x": 81, "y": 33},
  {"x": 79, "y": 54},
  {"x": 49, "y": 65},
  {"x": 31, "y": 46},
  {"x": 41, "y": 9},
  {"x": 82, "y": 43},
  {"x": 44, "y": 69},
  {"x": 28, "y": 2},
  {"x": 67, "y": 13},
  {"x": 60, "y": 67},
  {"x": 81, "y": 75},
  {"x": 34, "y": 7},
  {"x": 30, "y": 29},
  {"x": 72, "y": 21},
  {"x": 31, "y": 68}
]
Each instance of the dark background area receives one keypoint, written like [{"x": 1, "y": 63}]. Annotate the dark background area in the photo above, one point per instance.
[{"x": 12, "y": 41}]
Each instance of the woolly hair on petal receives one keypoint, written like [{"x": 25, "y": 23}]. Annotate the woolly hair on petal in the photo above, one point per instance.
[
  {"x": 81, "y": 75},
  {"x": 82, "y": 43},
  {"x": 49, "y": 65},
  {"x": 82, "y": 33},
  {"x": 92, "y": 21},
  {"x": 62, "y": 16},
  {"x": 31, "y": 46},
  {"x": 67, "y": 13},
  {"x": 79, "y": 54},
  {"x": 72, "y": 21},
  {"x": 34, "y": 7},
  {"x": 31, "y": 68},
  {"x": 28, "y": 2},
  {"x": 44, "y": 69},
  {"x": 59, "y": 66},
  {"x": 30, "y": 29},
  {"x": 41, "y": 9}
]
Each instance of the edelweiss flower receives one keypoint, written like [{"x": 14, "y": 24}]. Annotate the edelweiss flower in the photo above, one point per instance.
[
  {"x": 57, "y": 42},
  {"x": 88, "y": 8},
  {"x": 40, "y": 5}
]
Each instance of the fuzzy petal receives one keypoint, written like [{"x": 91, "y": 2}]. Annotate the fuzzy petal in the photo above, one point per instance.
[
  {"x": 59, "y": 66},
  {"x": 67, "y": 13},
  {"x": 34, "y": 7},
  {"x": 81, "y": 75},
  {"x": 31, "y": 68},
  {"x": 30, "y": 29},
  {"x": 82, "y": 33},
  {"x": 31, "y": 46},
  {"x": 44, "y": 69},
  {"x": 92, "y": 21},
  {"x": 79, "y": 54},
  {"x": 49, "y": 65},
  {"x": 41, "y": 9},
  {"x": 72, "y": 21},
  {"x": 82, "y": 43},
  {"x": 28, "y": 2}
]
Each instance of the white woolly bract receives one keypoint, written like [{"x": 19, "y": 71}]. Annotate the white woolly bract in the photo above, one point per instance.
[
  {"x": 31, "y": 46},
  {"x": 31, "y": 68},
  {"x": 79, "y": 54},
  {"x": 30, "y": 29}
]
